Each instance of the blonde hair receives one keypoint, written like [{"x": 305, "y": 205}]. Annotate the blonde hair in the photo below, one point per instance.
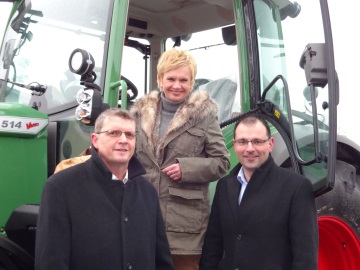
[{"x": 175, "y": 58}]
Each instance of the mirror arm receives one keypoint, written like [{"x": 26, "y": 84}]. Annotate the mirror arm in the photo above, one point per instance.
[{"x": 289, "y": 118}]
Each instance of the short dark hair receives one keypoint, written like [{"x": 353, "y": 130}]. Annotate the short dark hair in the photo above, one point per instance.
[
  {"x": 117, "y": 112},
  {"x": 252, "y": 118}
]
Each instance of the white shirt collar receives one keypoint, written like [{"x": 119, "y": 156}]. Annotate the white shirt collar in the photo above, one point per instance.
[
  {"x": 125, "y": 178},
  {"x": 241, "y": 177}
]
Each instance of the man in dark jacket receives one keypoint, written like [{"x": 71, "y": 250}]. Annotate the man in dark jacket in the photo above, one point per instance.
[
  {"x": 102, "y": 214},
  {"x": 263, "y": 216}
]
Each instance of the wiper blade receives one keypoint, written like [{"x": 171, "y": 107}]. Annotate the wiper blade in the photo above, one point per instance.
[{"x": 37, "y": 88}]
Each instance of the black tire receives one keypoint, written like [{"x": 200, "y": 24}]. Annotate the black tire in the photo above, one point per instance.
[
  {"x": 13, "y": 257},
  {"x": 343, "y": 202}
]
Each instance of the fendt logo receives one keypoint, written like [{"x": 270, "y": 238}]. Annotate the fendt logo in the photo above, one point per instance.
[{"x": 31, "y": 125}]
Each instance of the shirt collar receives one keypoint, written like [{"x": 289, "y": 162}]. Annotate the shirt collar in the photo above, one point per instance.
[
  {"x": 125, "y": 178},
  {"x": 241, "y": 177}
]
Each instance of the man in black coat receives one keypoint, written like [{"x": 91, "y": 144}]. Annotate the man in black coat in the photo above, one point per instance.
[
  {"x": 102, "y": 214},
  {"x": 263, "y": 217}
]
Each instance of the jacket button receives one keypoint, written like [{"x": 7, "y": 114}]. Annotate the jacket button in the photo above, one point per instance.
[
  {"x": 238, "y": 237},
  {"x": 126, "y": 218},
  {"x": 129, "y": 266}
]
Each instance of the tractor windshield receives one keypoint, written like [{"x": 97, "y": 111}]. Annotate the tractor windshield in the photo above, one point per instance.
[{"x": 50, "y": 29}]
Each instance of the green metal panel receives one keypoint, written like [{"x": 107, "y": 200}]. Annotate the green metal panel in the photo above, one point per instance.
[
  {"x": 23, "y": 158},
  {"x": 243, "y": 56},
  {"x": 116, "y": 44}
]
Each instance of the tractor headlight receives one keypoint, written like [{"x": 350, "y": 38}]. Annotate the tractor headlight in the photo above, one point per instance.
[
  {"x": 81, "y": 62},
  {"x": 83, "y": 112},
  {"x": 90, "y": 101},
  {"x": 84, "y": 96}
]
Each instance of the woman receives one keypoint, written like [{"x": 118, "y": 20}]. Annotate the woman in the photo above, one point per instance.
[{"x": 180, "y": 144}]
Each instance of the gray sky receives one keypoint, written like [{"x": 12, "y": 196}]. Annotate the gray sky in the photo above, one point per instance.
[{"x": 347, "y": 59}]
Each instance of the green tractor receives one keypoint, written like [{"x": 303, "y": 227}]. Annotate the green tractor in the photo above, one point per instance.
[{"x": 61, "y": 62}]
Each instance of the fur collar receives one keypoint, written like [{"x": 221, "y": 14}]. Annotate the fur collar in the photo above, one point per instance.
[{"x": 193, "y": 110}]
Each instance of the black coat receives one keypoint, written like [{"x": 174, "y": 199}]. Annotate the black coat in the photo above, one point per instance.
[
  {"x": 274, "y": 228},
  {"x": 82, "y": 223}
]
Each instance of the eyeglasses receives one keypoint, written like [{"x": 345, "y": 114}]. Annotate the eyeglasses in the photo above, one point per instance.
[
  {"x": 117, "y": 133},
  {"x": 255, "y": 142}
]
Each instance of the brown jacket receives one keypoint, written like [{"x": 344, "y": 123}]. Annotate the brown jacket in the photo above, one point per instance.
[{"x": 193, "y": 139}]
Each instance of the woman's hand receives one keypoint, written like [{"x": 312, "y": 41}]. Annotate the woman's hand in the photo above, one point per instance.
[{"x": 173, "y": 171}]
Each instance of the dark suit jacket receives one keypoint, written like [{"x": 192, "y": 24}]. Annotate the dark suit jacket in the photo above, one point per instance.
[
  {"x": 274, "y": 228},
  {"x": 89, "y": 222}
]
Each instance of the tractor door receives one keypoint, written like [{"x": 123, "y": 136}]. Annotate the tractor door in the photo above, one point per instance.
[{"x": 294, "y": 83}]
